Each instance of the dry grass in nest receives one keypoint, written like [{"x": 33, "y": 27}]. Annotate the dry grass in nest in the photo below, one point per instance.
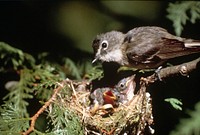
[{"x": 134, "y": 117}]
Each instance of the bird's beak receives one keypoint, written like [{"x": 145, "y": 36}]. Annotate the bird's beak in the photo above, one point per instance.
[
  {"x": 130, "y": 84},
  {"x": 109, "y": 98},
  {"x": 110, "y": 95},
  {"x": 130, "y": 80},
  {"x": 95, "y": 59}
]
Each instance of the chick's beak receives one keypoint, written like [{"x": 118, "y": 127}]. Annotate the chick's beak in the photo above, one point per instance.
[
  {"x": 109, "y": 97},
  {"x": 130, "y": 80}
]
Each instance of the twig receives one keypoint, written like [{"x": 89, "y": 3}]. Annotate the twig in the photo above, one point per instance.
[
  {"x": 183, "y": 69},
  {"x": 42, "y": 109},
  {"x": 73, "y": 89}
]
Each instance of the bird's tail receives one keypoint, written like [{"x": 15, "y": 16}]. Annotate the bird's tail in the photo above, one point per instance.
[
  {"x": 190, "y": 43},
  {"x": 192, "y": 46},
  {"x": 179, "y": 47}
]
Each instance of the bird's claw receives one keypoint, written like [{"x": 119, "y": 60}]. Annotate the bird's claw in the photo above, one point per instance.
[{"x": 157, "y": 73}]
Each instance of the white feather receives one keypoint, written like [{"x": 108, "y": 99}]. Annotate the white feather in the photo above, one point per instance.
[
  {"x": 115, "y": 55},
  {"x": 194, "y": 44}
]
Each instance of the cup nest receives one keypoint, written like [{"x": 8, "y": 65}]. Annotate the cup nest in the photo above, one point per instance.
[{"x": 134, "y": 117}]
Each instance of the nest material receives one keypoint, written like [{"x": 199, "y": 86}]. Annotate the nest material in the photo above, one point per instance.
[{"x": 131, "y": 118}]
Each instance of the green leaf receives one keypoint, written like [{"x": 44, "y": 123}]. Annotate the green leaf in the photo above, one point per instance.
[
  {"x": 178, "y": 14},
  {"x": 63, "y": 120},
  {"x": 175, "y": 103},
  {"x": 125, "y": 68},
  {"x": 95, "y": 73},
  {"x": 14, "y": 58},
  {"x": 72, "y": 68},
  {"x": 191, "y": 125},
  {"x": 11, "y": 119}
]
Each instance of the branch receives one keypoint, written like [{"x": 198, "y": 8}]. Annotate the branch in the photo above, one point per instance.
[
  {"x": 42, "y": 109},
  {"x": 183, "y": 69}
]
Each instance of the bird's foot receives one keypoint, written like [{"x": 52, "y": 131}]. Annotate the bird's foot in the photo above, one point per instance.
[{"x": 157, "y": 73}]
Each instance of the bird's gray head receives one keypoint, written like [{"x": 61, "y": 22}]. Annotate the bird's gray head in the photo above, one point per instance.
[
  {"x": 125, "y": 84},
  {"x": 107, "y": 47}
]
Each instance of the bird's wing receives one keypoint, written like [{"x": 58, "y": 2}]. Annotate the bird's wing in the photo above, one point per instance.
[
  {"x": 144, "y": 56},
  {"x": 151, "y": 46},
  {"x": 141, "y": 46},
  {"x": 174, "y": 48}
]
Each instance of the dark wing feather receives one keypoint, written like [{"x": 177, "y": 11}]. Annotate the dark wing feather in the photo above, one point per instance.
[
  {"x": 149, "y": 47},
  {"x": 149, "y": 44},
  {"x": 175, "y": 48},
  {"x": 148, "y": 57},
  {"x": 142, "y": 46}
]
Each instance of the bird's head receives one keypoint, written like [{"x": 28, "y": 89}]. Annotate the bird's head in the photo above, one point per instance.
[
  {"x": 107, "y": 47},
  {"x": 126, "y": 87}
]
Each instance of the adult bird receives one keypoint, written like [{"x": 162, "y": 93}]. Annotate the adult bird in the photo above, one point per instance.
[{"x": 142, "y": 47}]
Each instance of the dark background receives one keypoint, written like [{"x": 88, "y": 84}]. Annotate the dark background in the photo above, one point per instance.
[{"x": 67, "y": 29}]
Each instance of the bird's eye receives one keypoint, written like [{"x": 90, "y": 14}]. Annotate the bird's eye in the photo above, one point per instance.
[
  {"x": 122, "y": 85},
  {"x": 104, "y": 44}
]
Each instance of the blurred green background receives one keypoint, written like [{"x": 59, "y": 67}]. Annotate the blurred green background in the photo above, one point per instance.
[{"x": 67, "y": 28}]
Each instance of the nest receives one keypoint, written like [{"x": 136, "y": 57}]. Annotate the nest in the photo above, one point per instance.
[{"x": 134, "y": 117}]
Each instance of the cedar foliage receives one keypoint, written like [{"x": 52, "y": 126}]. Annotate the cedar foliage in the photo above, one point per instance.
[
  {"x": 36, "y": 81},
  {"x": 179, "y": 13}
]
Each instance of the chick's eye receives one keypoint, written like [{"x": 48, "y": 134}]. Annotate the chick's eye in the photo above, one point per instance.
[
  {"x": 104, "y": 44},
  {"x": 122, "y": 85}
]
